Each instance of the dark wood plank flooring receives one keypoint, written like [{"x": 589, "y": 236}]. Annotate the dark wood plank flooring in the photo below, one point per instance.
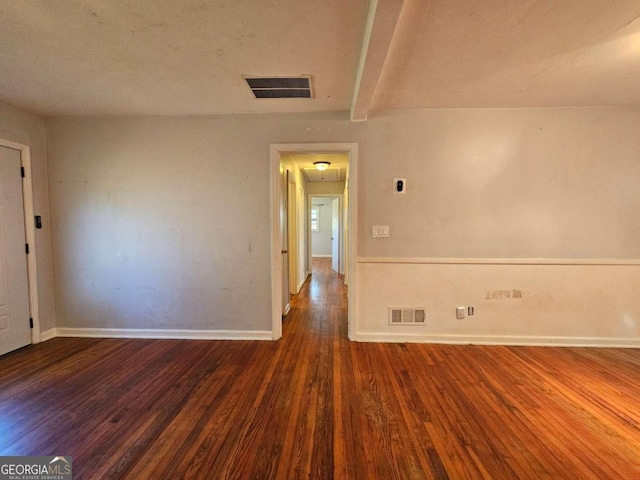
[{"x": 314, "y": 405}]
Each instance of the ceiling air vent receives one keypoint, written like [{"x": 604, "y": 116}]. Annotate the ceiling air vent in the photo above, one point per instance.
[{"x": 280, "y": 87}]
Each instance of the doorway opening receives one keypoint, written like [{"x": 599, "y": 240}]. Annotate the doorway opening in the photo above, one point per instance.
[
  {"x": 326, "y": 230},
  {"x": 295, "y": 181}
]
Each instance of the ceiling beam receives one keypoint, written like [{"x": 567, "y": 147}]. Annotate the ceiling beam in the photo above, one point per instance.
[{"x": 381, "y": 25}]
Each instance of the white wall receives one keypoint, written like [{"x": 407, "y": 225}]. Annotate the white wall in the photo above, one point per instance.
[
  {"x": 558, "y": 183},
  {"x": 325, "y": 188},
  {"x": 163, "y": 223},
  {"x": 514, "y": 303},
  {"x": 556, "y": 188},
  {"x": 27, "y": 129}
]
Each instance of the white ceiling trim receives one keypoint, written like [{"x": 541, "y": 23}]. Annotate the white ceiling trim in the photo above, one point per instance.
[{"x": 381, "y": 25}]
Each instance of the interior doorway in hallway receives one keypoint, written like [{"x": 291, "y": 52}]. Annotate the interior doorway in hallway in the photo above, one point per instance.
[
  {"x": 326, "y": 230},
  {"x": 295, "y": 179}
]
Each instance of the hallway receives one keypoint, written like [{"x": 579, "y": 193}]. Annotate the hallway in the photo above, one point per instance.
[
  {"x": 321, "y": 303},
  {"x": 314, "y": 405}
]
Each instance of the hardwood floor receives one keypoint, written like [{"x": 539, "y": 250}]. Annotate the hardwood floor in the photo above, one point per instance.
[{"x": 314, "y": 405}]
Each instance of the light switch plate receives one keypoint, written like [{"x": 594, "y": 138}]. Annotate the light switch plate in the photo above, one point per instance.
[{"x": 380, "y": 231}]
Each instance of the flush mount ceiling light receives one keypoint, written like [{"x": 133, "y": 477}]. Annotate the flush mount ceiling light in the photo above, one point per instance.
[{"x": 322, "y": 166}]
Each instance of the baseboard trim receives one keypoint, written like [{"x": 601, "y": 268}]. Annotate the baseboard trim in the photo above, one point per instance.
[
  {"x": 48, "y": 335},
  {"x": 321, "y": 256},
  {"x": 505, "y": 340},
  {"x": 304, "y": 279},
  {"x": 167, "y": 334}
]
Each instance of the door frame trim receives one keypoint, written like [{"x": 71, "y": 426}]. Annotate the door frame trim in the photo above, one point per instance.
[
  {"x": 30, "y": 234},
  {"x": 341, "y": 249},
  {"x": 276, "y": 149}
]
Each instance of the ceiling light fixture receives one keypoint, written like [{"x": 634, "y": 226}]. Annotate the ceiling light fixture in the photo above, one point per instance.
[{"x": 322, "y": 166}]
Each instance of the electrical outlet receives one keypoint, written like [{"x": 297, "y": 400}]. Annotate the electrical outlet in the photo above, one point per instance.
[
  {"x": 380, "y": 231},
  {"x": 460, "y": 313},
  {"x": 470, "y": 311}
]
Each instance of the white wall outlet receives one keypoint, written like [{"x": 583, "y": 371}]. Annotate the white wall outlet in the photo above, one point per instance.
[
  {"x": 380, "y": 231},
  {"x": 460, "y": 312},
  {"x": 399, "y": 186}
]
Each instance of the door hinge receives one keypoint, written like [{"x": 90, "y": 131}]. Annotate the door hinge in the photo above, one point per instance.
[
  {"x": 22, "y": 171},
  {"x": 31, "y": 323},
  {"x": 26, "y": 248}
]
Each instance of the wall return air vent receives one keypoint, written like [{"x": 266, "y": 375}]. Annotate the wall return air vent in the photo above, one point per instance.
[
  {"x": 280, "y": 87},
  {"x": 407, "y": 315}
]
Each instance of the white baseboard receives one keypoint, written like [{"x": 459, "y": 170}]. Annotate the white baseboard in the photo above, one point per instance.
[
  {"x": 169, "y": 334},
  {"x": 48, "y": 335},
  {"x": 304, "y": 279},
  {"x": 508, "y": 340},
  {"x": 321, "y": 256}
]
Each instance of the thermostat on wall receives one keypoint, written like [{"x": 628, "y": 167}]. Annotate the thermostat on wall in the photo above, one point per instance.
[{"x": 400, "y": 186}]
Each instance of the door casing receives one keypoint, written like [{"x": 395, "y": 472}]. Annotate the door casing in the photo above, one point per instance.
[
  {"x": 342, "y": 243},
  {"x": 276, "y": 150}
]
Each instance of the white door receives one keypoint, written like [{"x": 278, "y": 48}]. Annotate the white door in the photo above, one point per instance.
[
  {"x": 293, "y": 234},
  {"x": 284, "y": 240},
  {"x": 14, "y": 289},
  {"x": 335, "y": 234}
]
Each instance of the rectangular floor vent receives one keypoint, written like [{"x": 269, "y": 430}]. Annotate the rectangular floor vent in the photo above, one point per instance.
[{"x": 407, "y": 315}]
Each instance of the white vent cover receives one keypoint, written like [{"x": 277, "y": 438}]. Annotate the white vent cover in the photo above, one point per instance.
[{"x": 407, "y": 315}]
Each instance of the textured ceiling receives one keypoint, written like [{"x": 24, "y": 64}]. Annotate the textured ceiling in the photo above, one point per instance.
[
  {"x": 501, "y": 53},
  {"x": 187, "y": 57},
  {"x": 175, "y": 57}
]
